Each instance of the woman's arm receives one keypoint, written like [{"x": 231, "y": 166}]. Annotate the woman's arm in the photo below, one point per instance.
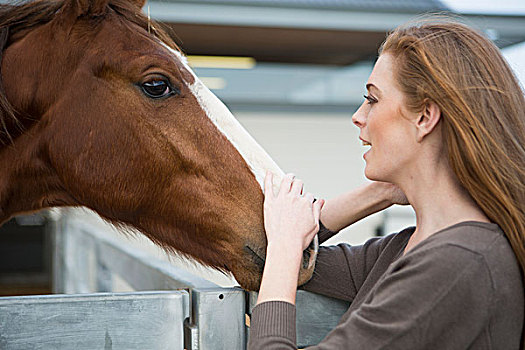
[
  {"x": 359, "y": 203},
  {"x": 289, "y": 227},
  {"x": 291, "y": 220}
]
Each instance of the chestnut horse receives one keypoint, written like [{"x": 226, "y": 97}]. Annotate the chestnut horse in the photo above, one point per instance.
[{"x": 98, "y": 108}]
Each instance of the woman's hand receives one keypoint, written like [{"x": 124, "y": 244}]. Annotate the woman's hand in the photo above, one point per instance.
[
  {"x": 291, "y": 218},
  {"x": 394, "y": 194},
  {"x": 352, "y": 206}
]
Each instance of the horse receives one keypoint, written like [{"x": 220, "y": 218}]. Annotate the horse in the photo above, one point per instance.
[{"x": 99, "y": 108}]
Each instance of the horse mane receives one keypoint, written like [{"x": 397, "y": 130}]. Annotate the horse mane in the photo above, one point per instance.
[{"x": 21, "y": 16}]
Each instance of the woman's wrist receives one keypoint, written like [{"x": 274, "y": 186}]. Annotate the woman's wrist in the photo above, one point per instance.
[
  {"x": 281, "y": 271},
  {"x": 383, "y": 192},
  {"x": 286, "y": 248},
  {"x": 390, "y": 193}
]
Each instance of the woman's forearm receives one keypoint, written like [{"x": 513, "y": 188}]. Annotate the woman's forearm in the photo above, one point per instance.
[
  {"x": 355, "y": 205},
  {"x": 281, "y": 271},
  {"x": 291, "y": 221}
]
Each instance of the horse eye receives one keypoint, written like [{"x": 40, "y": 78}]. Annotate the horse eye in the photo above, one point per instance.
[{"x": 157, "y": 88}]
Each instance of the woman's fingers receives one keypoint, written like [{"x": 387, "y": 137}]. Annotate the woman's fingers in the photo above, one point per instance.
[
  {"x": 318, "y": 206},
  {"x": 292, "y": 216},
  {"x": 268, "y": 185},
  {"x": 297, "y": 187},
  {"x": 286, "y": 184},
  {"x": 309, "y": 197}
]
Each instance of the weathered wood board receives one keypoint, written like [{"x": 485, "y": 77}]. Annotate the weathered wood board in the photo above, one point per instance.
[{"x": 108, "y": 321}]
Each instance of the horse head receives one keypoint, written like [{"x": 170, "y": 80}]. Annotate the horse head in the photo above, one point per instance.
[{"x": 99, "y": 109}]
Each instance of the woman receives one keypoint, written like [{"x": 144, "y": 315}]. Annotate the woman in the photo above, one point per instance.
[{"x": 444, "y": 119}]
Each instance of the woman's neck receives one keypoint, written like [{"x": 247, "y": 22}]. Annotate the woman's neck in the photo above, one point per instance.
[{"x": 438, "y": 200}]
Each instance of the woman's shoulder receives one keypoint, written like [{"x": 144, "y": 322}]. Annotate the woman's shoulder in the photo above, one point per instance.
[
  {"x": 477, "y": 257},
  {"x": 475, "y": 244},
  {"x": 474, "y": 236},
  {"x": 395, "y": 238}
]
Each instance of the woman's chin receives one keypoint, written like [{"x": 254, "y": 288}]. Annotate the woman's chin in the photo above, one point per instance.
[
  {"x": 373, "y": 176},
  {"x": 369, "y": 174}
]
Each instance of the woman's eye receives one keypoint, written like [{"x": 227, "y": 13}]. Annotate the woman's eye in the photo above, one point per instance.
[
  {"x": 370, "y": 99},
  {"x": 157, "y": 88}
]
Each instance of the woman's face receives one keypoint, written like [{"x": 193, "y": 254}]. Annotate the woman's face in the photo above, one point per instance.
[{"x": 386, "y": 125}]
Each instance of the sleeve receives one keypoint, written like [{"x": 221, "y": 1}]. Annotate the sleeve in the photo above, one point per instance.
[
  {"x": 273, "y": 326},
  {"x": 324, "y": 233},
  {"x": 438, "y": 299},
  {"x": 341, "y": 270}
]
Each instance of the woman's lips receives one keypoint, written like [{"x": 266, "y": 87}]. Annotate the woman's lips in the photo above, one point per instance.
[{"x": 365, "y": 142}]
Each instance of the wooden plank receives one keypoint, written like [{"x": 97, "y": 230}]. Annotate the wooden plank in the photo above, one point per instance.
[
  {"x": 146, "y": 320},
  {"x": 87, "y": 258},
  {"x": 142, "y": 271},
  {"x": 57, "y": 242},
  {"x": 138, "y": 268}
]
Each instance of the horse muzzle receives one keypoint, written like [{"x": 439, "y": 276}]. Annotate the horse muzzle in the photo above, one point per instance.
[
  {"x": 310, "y": 254},
  {"x": 258, "y": 256}
]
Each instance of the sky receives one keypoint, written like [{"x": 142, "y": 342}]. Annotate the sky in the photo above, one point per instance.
[{"x": 504, "y": 7}]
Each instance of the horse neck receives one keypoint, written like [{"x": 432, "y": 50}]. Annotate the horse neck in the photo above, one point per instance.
[
  {"x": 24, "y": 181},
  {"x": 11, "y": 191}
]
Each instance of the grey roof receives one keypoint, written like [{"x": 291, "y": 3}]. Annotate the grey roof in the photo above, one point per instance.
[{"x": 407, "y": 6}]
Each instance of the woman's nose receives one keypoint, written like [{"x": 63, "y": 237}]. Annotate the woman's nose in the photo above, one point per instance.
[{"x": 358, "y": 118}]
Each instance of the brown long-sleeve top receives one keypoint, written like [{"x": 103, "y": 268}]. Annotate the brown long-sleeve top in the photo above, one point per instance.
[{"x": 461, "y": 288}]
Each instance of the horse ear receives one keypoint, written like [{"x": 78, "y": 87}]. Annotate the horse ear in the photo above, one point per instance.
[{"x": 89, "y": 7}]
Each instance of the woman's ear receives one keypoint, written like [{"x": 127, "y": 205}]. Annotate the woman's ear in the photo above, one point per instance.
[{"x": 428, "y": 120}]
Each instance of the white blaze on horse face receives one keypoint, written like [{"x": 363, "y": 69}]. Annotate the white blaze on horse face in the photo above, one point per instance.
[{"x": 254, "y": 155}]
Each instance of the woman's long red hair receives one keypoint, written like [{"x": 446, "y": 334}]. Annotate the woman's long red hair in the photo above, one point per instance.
[{"x": 483, "y": 113}]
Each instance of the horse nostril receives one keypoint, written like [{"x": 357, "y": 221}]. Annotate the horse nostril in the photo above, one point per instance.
[
  {"x": 306, "y": 258},
  {"x": 310, "y": 253}
]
